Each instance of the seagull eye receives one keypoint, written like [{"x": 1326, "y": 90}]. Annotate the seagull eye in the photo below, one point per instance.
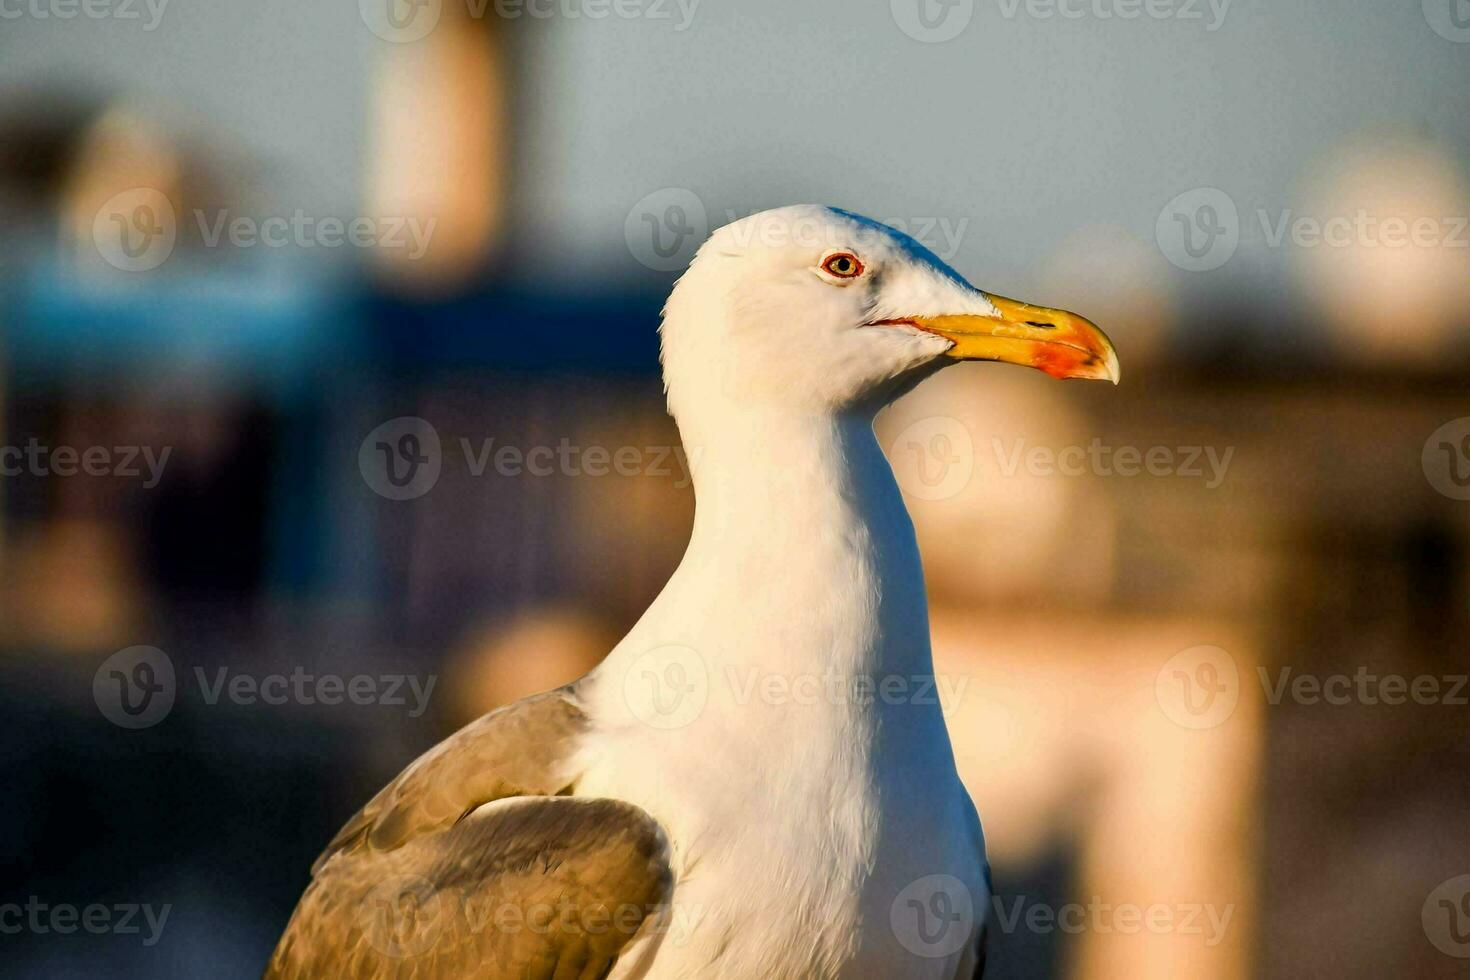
[{"x": 843, "y": 265}]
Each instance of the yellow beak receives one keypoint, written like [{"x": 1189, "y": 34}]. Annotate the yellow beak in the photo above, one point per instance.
[{"x": 1062, "y": 344}]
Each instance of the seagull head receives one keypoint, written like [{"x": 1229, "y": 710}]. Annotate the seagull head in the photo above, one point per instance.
[{"x": 811, "y": 308}]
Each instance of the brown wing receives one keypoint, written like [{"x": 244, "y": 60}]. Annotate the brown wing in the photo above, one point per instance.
[
  {"x": 423, "y": 884},
  {"x": 522, "y": 749},
  {"x": 534, "y": 889}
]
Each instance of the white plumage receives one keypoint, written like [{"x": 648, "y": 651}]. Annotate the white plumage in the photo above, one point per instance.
[{"x": 783, "y": 785}]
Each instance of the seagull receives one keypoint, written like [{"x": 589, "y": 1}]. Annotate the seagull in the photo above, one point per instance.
[{"x": 750, "y": 785}]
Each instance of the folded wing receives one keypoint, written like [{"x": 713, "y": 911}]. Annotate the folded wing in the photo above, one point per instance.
[{"x": 471, "y": 864}]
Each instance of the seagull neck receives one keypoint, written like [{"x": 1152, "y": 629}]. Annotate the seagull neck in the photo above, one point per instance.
[
  {"x": 799, "y": 521},
  {"x": 774, "y": 472}
]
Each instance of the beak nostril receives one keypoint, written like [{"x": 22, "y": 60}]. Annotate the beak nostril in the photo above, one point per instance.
[{"x": 1062, "y": 344}]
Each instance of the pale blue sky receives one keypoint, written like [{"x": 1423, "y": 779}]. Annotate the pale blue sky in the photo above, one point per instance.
[{"x": 1026, "y": 125}]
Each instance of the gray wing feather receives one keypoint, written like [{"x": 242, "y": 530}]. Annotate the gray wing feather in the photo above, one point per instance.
[
  {"x": 522, "y": 749},
  {"x": 422, "y": 883}
]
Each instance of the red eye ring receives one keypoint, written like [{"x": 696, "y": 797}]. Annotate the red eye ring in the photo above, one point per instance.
[{"x": 843, "y": 265}]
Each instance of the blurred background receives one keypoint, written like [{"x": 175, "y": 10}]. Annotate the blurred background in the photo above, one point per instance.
[{"x": 252, "y": 247}]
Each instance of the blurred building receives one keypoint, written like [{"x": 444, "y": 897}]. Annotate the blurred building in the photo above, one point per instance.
[{"x": 1277, "y": 508}]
